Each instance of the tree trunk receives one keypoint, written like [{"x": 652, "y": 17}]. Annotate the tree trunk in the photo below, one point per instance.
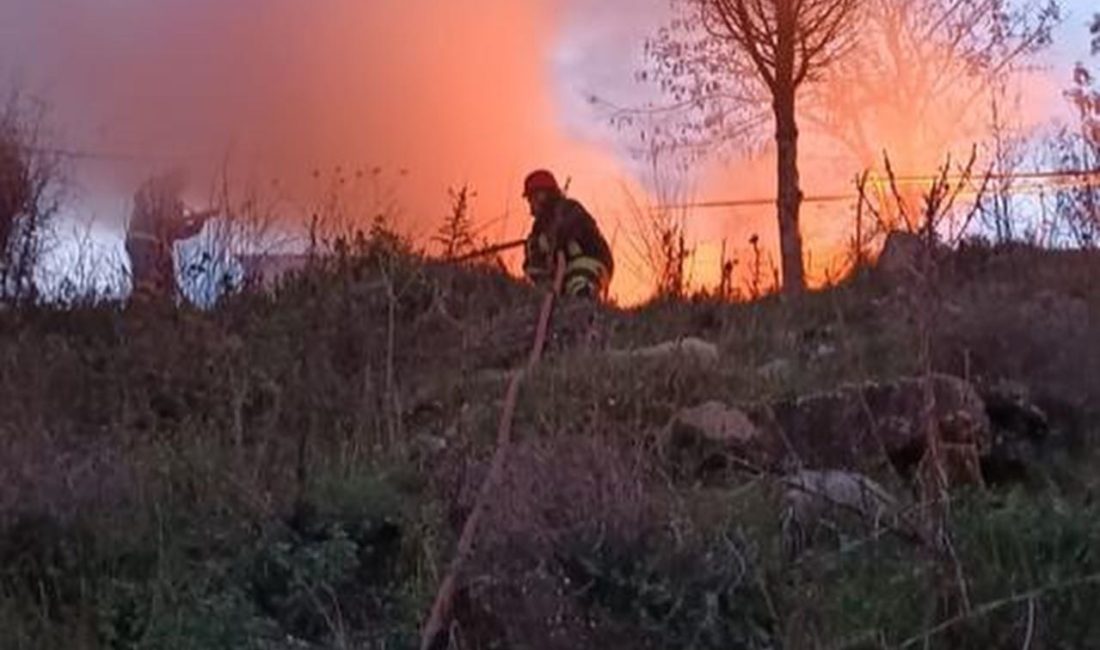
[{"x": 789, "y": 195}]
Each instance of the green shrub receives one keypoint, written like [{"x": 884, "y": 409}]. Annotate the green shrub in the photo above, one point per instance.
[{"x": 691, "y": 598}]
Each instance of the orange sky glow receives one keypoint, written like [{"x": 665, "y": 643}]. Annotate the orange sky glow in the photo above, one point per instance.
[{"x": 435, "y": 94}]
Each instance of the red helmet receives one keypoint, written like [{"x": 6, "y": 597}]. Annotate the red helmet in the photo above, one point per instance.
[{"x": 539, "y": 180}]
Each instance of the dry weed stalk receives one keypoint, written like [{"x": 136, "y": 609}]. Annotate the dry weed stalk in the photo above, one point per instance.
[
  {"x": 658, "y": 239},
  {"x": 859, "y": 241},
  {"x": 726, "y": 289},
  {"x": 761, "y": 269},
  {"x": 938, "y": 222},
  {"x": 987, "y": 608},
  {"x": 925, "y": 304},
  {"x": 456, "y": 235}
]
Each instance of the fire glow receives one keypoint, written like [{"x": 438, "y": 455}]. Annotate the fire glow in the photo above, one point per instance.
[{"x": 453, "y": 93}]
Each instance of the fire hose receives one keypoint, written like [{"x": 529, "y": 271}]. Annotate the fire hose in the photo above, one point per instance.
[
  {"x": 491, "y": 250},
  {"x": 441, "y": 608}
]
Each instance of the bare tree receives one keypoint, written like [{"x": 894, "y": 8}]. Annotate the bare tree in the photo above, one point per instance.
[
  {"x": 1094, "y": 29},
  {"x": 920, "y": 71},
  {"x": 915, "y": 70},
  {"x": 29, "y": 197},
  {"x": 14, "y": 187},
  {"x": 1085, "y": 97},
  {"x": 658, "y": 240},
  {"x": 917, "y": 58},
  {"x": 782, "y": 44},
  {"x": 1077, "y": 149}
]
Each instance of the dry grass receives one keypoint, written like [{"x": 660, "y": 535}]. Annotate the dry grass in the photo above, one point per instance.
[{"x": 297, "y": 464}]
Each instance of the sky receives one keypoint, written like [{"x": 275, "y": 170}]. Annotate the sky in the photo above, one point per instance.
[{"x": 417, "y": 95}]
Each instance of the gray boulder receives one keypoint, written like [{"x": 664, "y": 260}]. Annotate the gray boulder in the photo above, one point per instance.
[
  {"x": 829, "y": 500},
  {"x": 810, "y": 494},
  {"x": 689, "y": 348}
]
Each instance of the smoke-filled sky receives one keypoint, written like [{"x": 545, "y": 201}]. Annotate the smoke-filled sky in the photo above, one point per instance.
[
  {"x": 448, "y": 91},
  {"x": 476, "y": 90}
]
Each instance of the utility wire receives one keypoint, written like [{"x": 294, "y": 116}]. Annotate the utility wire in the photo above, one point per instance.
[
  {"x": 111, "y": 156},
  {"x": 1061, "y": 179},
  {"x": 1067, "y": 173},
  {"x": 1070, "y": 180}
]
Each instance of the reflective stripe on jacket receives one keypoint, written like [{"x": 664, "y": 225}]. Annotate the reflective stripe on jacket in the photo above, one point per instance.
[{"x": 570, "y": 229}]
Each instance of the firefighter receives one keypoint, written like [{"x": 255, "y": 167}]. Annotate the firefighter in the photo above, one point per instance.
[
  {"x": 563, "y": 225},
  {"x": 159, "y": 220}
]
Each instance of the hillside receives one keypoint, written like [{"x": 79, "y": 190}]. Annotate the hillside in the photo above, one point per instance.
[{"x": 291, "y": 469}]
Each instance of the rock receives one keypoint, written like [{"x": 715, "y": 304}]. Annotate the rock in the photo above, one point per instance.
[
  {"x": 716, "y": 422},
  {"x": 809, "y": 494},
  {"x": 900, "y": 257},
  {"x": 823, "y": 351},
  {"x": 1020, "y": 430},
  {"x": 690, "y": 348},
  {"x": 862, "y": 426},
  {"x": 813, "y": 498},
  {"x": 431, "y": 444},
  {"x": 775, "y": 371},
  {"x": 1011, "y": 412},
  {"x": 903, "y": 256},
  {"x": 867, "y": 428},
  {"x": 711, "y": 434}
]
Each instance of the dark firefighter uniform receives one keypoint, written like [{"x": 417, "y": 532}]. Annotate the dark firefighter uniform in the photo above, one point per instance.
[
  {"x": 562, "y": 224},
  {"x": 159, "y": 220}
]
